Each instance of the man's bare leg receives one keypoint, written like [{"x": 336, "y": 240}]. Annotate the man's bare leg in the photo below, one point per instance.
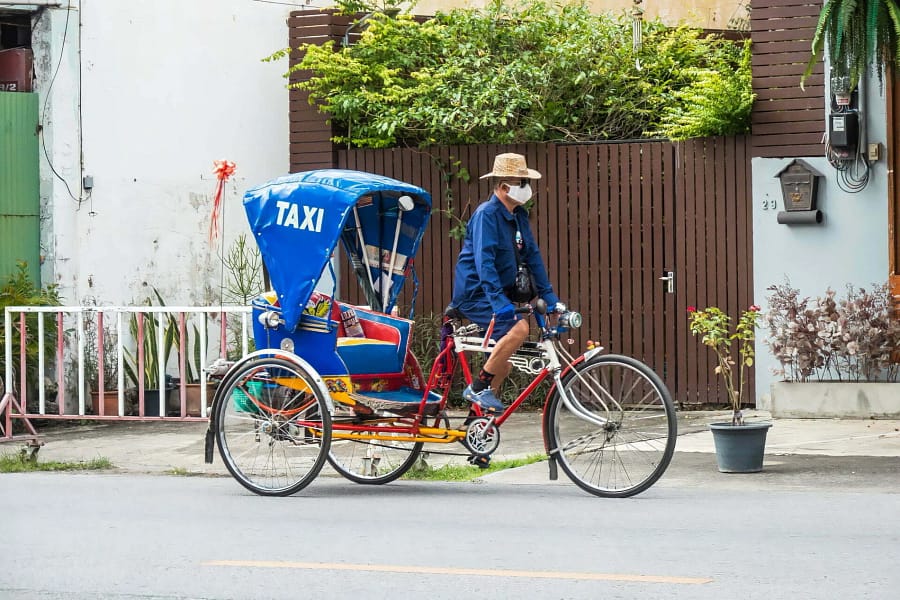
[{"x": 498, "y": 362}]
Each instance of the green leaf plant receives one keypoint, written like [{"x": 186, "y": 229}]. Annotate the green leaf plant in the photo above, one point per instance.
[
  {"x": 713, "y": 103},
  {"x": 858, "y": 34},
  {"x": 714, "y": 328},
  {"x": 515, "y": 72},
  {"x": 153, "y": 358},
  {"x": 20, "y": 290}
]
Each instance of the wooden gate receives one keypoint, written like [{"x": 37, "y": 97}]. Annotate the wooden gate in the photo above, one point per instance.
[{"x": 611, "y": 220}]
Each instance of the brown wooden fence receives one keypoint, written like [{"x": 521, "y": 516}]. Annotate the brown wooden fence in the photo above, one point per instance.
[
  {"x": 611, "y": 219},
  {"x": 787, "y": 120}
]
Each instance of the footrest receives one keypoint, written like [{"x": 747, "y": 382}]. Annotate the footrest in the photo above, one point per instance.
[{"x": 403, "y": 400}]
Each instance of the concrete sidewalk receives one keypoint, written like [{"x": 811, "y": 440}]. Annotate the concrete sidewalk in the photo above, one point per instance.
[{"x": 172, "y": 447}]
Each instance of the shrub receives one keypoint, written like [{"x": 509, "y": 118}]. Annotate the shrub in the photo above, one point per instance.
[
  {"x": 713, "y": 103},
  {"x": 20, "y": 290},
  {"x": 528, "y": 72},
  {"x": 852, "y": 338}
]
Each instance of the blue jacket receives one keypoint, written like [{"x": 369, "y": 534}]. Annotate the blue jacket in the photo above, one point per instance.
[{"x": 487, "y": 261}]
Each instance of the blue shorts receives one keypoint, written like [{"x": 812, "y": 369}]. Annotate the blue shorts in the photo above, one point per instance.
[{"x": 481, "y": 313}]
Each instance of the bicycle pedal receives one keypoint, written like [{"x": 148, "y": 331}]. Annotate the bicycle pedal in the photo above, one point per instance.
[{"x": 482, "y": 462}]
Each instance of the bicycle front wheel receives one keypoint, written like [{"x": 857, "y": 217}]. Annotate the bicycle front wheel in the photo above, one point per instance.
[
  {"x": 272, "y": 426},
  {"x": 616, "y": 434}
]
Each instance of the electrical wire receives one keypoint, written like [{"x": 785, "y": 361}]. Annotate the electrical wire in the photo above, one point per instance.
[
  {"x": 851, "y": 166},
  {"x": 852, "y": 169},
  {"x": 79, "y": 199}
]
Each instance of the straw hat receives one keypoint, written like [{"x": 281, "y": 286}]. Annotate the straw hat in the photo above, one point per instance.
[{"x": 512, "y": 166}]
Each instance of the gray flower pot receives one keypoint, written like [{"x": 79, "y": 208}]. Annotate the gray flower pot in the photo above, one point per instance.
[{"x": 740, "y": 449}]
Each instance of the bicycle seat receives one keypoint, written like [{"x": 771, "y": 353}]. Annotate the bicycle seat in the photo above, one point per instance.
[{"x": 451, "y": 312}]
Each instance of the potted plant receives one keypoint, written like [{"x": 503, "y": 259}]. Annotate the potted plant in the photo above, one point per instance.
[
  {"x": 858, "y": 35},
  {"x": 191, "y": 373},
  {"x": 740, "y": 445},
  {"x": 154, "y": 357},
  {"x": 108, "y": 383},
  {"x": 837, "y": 354}
]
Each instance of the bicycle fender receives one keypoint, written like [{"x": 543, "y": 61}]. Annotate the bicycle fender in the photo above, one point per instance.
[
  {"x": 551, "y": 452},
  {"x": 301, "y": 363},
  {"x": 209, "y": 445},
  {"x": 562, "y": 375}
]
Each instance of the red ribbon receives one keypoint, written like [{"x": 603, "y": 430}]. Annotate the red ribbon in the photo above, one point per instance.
[{"x": 223, "y": 169}]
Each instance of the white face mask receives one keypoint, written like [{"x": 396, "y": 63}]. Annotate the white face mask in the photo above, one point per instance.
[{"x": 520, "y": 194}]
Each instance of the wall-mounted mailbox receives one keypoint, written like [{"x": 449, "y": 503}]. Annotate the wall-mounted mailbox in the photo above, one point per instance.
[{"x": 799, "y": 187}]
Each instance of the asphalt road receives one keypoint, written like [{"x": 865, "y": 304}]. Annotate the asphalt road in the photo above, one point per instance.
[{"x": 129, "y": 536}]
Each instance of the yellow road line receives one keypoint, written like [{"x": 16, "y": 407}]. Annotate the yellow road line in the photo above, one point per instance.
[{"x": 272, "y": 564}]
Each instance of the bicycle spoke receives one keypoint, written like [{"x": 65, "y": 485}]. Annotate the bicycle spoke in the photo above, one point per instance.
[
  {"x": 273, "y": 433},
  {"x": 374, "y": 461},
  {"x": 633, "y": 448}
]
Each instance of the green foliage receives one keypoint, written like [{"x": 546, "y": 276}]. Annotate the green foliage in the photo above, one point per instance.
[
  {"x": 450, "y": 210},
  {"x": 244, "y": 272},
  {"x": 858, "y": 34},
  {"x": 714, "y": 103},
  {"x": 243, "y": 283},
  {"x": 153, "y": 355},
  {"x": 509, "y": 73},
  {"x": 191, "y": 353},
  {"x": 92, "y": 354},
  {"x": 25, "y": 463},
  {"x": 714, "y": 328},
  {"x": 352, "y": 7},
  {"x": 426, "y": 341},
  {"x": 20, "y": 290},
  {"x": 450, "y": 472}
]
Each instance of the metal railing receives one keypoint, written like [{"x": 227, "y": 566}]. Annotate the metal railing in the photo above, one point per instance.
[{"x": 181, "y": 344}]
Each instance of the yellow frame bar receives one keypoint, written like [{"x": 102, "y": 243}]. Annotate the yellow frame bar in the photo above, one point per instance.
[{"x": 425, "y": 433}]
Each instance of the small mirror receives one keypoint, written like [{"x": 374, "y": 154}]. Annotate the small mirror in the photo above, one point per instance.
[{"x": 405, "y": 203}]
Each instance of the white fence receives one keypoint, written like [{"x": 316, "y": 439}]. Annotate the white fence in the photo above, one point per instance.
[{"x": 70, "y": 357}]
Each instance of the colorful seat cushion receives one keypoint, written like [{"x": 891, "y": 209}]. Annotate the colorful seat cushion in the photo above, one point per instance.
[
  {"x": 366, "y": 356},
  {"x": 382, "y": 350}
]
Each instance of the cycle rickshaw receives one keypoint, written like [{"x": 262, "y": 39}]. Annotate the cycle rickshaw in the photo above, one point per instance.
[{"x": 338, "y": 383}]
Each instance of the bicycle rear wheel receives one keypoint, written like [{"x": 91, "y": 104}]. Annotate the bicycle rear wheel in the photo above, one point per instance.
[
  {"x": 272, "y": 426},
  {"x": 373, "y": 462},
  {"x": 617, "y": 434}
]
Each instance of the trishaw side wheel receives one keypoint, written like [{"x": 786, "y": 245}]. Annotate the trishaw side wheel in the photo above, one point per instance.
[
  {"x": 373, "y": 462},
  {"x": 272, "y": 426},
  {"x": 617, "y": 435}
]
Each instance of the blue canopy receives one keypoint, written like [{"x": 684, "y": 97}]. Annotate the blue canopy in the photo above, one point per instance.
[{"x": 298, "y": 219}]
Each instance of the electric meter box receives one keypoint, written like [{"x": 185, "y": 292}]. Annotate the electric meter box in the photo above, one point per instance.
[{"x": 843, "y": 129}]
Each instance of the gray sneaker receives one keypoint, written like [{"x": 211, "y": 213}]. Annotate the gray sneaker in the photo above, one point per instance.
[{"x": 485, "y": 399}]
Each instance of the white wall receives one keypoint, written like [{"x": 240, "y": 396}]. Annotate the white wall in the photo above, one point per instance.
[
  {"x": 166, "y": 88},
  {"x": 849, "y": 247}
]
